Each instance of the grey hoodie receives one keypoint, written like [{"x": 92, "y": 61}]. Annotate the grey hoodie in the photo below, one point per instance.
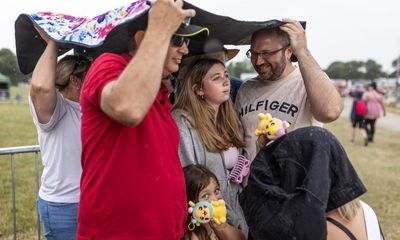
[{"x": 193, "y": 151}]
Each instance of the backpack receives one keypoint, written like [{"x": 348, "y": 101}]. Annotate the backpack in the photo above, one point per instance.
[{"x": 361, "y": 107}]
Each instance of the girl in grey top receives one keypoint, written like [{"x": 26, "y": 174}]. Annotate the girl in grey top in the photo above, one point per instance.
[{"x": 209, "y": 128}]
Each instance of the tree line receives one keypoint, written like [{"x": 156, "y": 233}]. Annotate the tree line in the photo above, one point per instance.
[
  {"x": 358, "y": 70},
  {"x": 337, "y": 70},
  {"x": 9, "y": 67}
]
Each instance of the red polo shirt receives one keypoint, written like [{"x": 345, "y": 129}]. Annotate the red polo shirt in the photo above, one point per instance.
[{"x": 132, "y": 184}]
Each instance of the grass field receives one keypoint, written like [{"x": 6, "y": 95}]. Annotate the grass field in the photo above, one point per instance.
[
  {"x": 378, "y": 165},
  {"x": 393, "y": 109},
  {"x": 17, "y": 129}
]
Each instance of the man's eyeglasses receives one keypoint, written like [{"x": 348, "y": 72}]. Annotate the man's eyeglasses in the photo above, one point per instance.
[
  {"x": 177, "y": 41},
  {"x": 265, "y": 54}
]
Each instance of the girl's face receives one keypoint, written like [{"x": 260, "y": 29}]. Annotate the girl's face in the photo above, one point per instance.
[
  {"x": 216, "y": 85},
  {"x": 211, "y": 192}
]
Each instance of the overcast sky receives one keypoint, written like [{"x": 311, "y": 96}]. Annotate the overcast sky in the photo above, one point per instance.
[{"x": 337, "y": 30}]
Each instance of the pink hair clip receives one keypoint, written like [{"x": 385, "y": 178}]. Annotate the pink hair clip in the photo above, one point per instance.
[{"x": 240, "y": 170}]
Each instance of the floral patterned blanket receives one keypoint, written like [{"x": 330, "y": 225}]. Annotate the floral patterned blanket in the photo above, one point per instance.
[
  {"x": 86, "y": 31},
  {"x": 84, "y": 35}
]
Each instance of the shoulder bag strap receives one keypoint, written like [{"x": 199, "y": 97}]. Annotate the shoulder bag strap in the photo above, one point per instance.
[{"x": 343, "y": 228}]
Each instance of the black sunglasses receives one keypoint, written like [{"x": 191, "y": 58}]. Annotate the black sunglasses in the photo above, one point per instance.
[{"x": 177, "y": 41}]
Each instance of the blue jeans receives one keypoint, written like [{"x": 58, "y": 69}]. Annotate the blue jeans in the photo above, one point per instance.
[{"x": 59, "y": 220}]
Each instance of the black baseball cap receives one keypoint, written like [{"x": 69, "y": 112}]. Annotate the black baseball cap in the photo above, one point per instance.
[{"x": 193, "y": 31}]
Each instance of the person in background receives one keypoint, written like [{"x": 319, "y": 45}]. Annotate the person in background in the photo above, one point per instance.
[
  {"x": 302, "y": 95},
  {"x": 203, "y": 185},
  {"x": 356, "y": 117},
  {"x": 210, "y": 130},
  {"x": 132, "y": 183},
  {"x": 18, "y": 97},
  {"x": 375, "y": 106},
  {"x": 54, "y": 97}
]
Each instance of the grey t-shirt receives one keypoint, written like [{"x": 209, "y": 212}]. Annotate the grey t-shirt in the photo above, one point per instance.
[{"x": 285, "y": 99}]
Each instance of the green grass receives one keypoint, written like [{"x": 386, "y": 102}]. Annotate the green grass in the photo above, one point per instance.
[
  {"x": 17, "y": 129},
  {"x": 393, "y": 109},
  {"x": 378, "y": 165}
]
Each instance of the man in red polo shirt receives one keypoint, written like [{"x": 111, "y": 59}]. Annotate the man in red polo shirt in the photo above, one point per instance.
[{"x": 132, "y": 184}]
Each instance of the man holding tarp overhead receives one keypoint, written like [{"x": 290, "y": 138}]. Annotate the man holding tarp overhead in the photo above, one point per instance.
[
  {"x": 132, "y": 182},
  {"x": 302, "y": 95}
]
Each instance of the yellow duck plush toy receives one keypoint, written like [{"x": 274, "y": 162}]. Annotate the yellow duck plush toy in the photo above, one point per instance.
[
  {"x": 271, "y": 127},
  {"x": 219, "y": 207}
]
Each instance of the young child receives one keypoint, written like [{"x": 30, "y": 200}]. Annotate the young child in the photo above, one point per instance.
[{"x": 203, "y": 185}]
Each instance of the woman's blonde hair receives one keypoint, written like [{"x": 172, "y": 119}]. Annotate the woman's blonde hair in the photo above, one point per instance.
[
  {"x": 217, "y": 135},
  {"x": 350, "y": 209},
  {"x": 76, "y": 65}
]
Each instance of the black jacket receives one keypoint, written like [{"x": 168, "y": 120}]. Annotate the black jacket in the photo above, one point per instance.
[{"x": 294, "y": 181}]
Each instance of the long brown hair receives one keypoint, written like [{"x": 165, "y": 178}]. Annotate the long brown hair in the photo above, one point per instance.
[
  {"x": 217, "y": 135},
  {"x": 197, "y": 177}
]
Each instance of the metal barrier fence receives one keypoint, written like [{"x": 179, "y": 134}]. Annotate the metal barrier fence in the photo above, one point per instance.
[{"x": 12, "y": 151}]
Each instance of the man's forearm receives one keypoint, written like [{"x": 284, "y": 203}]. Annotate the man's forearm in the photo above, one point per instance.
[
  {"x": 133, "y": 93},
  {"x": 326, "y": 102}
]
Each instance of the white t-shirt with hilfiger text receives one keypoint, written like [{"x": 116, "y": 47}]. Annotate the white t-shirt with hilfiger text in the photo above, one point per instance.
[
  {"x": 285, "y": 99},
  {"x": 60, "y": 146}
]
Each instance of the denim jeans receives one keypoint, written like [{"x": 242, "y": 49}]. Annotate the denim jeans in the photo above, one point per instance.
[{"x": 59, "y": 220}]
